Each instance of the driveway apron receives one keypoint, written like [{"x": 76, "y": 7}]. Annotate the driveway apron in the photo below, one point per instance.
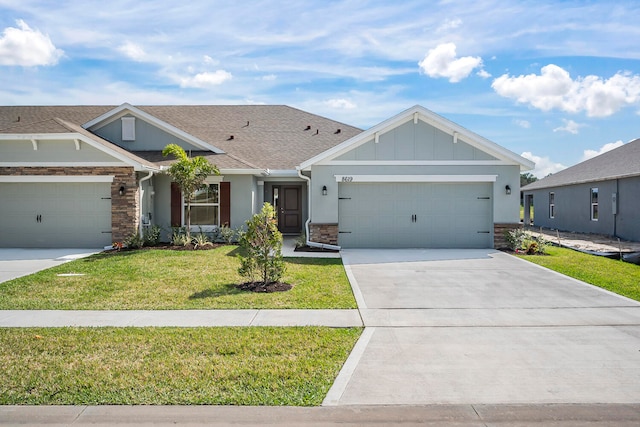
[{"x": 484, "y": 327}]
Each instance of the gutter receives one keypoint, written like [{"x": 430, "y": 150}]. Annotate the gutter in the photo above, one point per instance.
[
  {"x": 140, "y": 195},
  {"x": 308, "y": 221}
]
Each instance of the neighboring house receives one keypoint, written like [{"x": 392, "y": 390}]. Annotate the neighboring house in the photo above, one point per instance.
[
  {"x": 86, "y": 176},
  {"x": 600, "y": 195}
]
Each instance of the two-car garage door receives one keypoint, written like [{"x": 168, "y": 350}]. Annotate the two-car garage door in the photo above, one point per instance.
[
  {"x": 415, "y": 215},
  {"x": 55, "y": 214}
]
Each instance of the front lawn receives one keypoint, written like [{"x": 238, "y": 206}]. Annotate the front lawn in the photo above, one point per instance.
[
  {"x": 165, "y": 279},
  {"x": 171, "y": 366},
  {"x": 617, "y": 276}
]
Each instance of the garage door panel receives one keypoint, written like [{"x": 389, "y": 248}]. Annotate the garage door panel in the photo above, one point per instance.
[
  {"x": 55, "y": 215},
  {"x": 430, "y": 215}
]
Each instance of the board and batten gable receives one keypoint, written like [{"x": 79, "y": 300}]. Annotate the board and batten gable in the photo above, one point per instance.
[
  {"x": 420, "y": 141},
  {"x": 148, "y": 137},
  {"x": 25, "y": 152}
]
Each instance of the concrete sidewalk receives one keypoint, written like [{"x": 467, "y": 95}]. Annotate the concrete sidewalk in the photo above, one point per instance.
[
  {"x": 179, "y": 318},
  {"x": 423, "y": 415}
]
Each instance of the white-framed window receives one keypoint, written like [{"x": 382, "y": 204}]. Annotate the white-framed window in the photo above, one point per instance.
[
  {"x": 205, "y": 208},
  {"x": 128, "y": 128},
  {"x": 552, "y": 205},
  {"x": 594, "y": 204}
]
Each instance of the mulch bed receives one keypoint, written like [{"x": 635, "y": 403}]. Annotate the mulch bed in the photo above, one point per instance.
[
  {"x": 261, "y": 287},
  {"x": 312, "y": 249}
]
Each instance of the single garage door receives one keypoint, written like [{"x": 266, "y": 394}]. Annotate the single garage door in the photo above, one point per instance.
[
  {"x": 55, "y": 215},
  {"x": 415, "y": 215}
]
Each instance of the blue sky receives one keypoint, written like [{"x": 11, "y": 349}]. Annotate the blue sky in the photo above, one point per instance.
[{"x": 555, "y": 81}]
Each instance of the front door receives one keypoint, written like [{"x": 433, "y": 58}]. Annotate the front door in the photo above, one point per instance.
[{"x": 287, "y": 201}]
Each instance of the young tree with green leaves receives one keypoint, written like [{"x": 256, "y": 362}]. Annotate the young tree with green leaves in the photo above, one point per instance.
[
  {"x": 262, "y": 243},
  {"x": 190, "y": 173}
]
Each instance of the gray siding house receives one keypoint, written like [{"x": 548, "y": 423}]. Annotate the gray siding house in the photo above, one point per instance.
[
  {"x": 600, "y": 195},
  {"x": 86, "y": 176}
]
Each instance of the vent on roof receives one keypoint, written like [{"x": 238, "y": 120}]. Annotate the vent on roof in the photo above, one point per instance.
[
  {"x": 128, "y": 128},
  {"x": 338, "y": 131},
  {"x": 307, "y": 128},
  {"x": 230, "y": 138},
  {"x": 247, "y": 125}
]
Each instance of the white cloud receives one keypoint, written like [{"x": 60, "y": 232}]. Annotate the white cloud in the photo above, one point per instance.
[
  {"x": 442, "y": 62},
  {"x": 522, "y": 123},
  {"x": 26, "y": 47},
  {"x": 588, "y": 154},
  {"x": 569, "y": 126},
  {"x": 341, "y": 104},
  {"x": 206, "y": 79},
  {"x": 484, "y": 74},
  {"x": 449, "y": 24},
  {"x": 544, "y": 165},
  {"x": 555, "y": 89},
  {"x": 269, "y": 77},
  {"x": 133, "y": 51}
]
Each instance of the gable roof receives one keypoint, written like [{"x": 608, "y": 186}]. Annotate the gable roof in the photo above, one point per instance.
[
  {"x": 271, "y": 137},
  {"x": 420, "y": 113},
  {"x": 622, "y": 162}
]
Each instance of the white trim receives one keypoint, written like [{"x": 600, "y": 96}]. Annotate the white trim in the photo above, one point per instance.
[
  {"x": 57, "y": 178},
  {"x": 416, "y": 163},
  {"x": 61, "y": 164},
  {"x": 228, "y": 171},
  {"x": 127, "y": 108},
  {"x": 35, "y": 144},
  {"x": 414, "y": 178},
  {"x": 77, "y": 143},
  {"x": 214, "y": 179}
]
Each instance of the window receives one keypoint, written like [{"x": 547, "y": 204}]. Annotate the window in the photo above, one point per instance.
[
  {"x": 594, "y": 204},
  {"x": 205, "y": 207},
  {"x": 552, "y": 205}
]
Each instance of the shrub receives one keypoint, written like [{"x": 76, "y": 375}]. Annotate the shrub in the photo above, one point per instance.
[
  {"x": 134, "y": 241},
  {"x": 179, "y": 236},
  {"x": 522, "y": 242},
  {"x": 230, "y": 235},
  {"x": 200, "y": 240},
  {"x": 151, "y": 235},
  {"x": 262, "y": 242},
  {"x": 301, "y": 240}
]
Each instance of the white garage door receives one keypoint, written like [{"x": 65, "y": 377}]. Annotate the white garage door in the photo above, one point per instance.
[
  {"x": 55, "y": 215},
  {"x": 415, "y": 215}
]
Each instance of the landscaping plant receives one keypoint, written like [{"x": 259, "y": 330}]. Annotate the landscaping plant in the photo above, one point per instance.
[
  {"x": 190, "y": 174},
  {"x": 262, "y": 244}
]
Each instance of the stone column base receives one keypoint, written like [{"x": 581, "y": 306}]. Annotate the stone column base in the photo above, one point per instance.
[
  {"x": 324, "y": 233},
  {"x": 499, "y": 240}
]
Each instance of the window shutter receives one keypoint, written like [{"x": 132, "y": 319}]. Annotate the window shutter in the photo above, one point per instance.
[
  {"x": 225, "y": 203},
  {"x": 176, "y": 205}
]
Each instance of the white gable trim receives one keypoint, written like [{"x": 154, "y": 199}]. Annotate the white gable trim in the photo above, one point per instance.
[
  {"x": 127, "y": 108},
  {"x": 415, "y": 178},
  {"x": 420, "y": 113},
  {"x": 417, "y": 163}
]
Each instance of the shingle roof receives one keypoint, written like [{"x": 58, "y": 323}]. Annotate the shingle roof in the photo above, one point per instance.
[
  {"x": 264, "y": 136},
  {"x": 621, "y": 162}
]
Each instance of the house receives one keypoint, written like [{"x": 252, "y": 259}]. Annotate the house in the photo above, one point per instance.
[
  {"x": 86, "y": 176},
  {"x": 600, "y": 195}
]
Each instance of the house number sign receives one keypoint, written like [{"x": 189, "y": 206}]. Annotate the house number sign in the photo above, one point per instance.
[{"x": 347, "y": 179}]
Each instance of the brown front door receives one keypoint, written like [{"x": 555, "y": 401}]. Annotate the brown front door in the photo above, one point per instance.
[{"x": 287, "y": 201}]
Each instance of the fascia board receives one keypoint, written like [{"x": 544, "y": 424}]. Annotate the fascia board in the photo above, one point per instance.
[{"x": 126, "y": 108}]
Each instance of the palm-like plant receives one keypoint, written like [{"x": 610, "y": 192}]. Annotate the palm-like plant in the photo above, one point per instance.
[{"x": 190, "y": 174}]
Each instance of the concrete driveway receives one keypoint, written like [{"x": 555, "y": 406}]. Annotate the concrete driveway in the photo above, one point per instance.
[
  {"x": 16, "y": 262},
  {"x": 484, "y": 327}
]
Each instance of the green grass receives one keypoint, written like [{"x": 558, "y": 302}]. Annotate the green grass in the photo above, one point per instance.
[
  {"x": 165, "y": 279},
  {"x": 617, "y": 276},
  {"x": 522, "y": 212},
  {"x": 171, "y": 366}
]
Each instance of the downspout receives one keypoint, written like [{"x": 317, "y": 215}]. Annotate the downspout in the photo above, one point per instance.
[
  {"x": 308, "y": 221},
  {"x": 140, "y": 195}
]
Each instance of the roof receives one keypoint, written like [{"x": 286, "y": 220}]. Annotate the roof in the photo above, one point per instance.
[
  {"x": 622, "y": 162},
  {"x": 275, "y": 137},
  {"x": 420, "y": 112}
]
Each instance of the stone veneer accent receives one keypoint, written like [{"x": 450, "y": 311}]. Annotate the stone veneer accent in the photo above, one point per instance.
[
  {"x": 124, "y": 209},
  {"x": 324, "y": 233},
  {"x": 499, "y": 240}
]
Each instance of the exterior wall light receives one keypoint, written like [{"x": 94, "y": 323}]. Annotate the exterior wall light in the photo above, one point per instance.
[
  {"x": 121, "y": 190},
  {"x": 324, "y": 190},
  {"x": 507, "y": 189}
]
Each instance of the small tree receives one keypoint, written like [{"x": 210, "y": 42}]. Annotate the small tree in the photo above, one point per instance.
[
  {"x": 190, "y": 174},
  {"x": 263, "y": 245}
]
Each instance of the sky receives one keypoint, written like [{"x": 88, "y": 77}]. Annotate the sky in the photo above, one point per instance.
[{"x": 557, "y": 82}]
